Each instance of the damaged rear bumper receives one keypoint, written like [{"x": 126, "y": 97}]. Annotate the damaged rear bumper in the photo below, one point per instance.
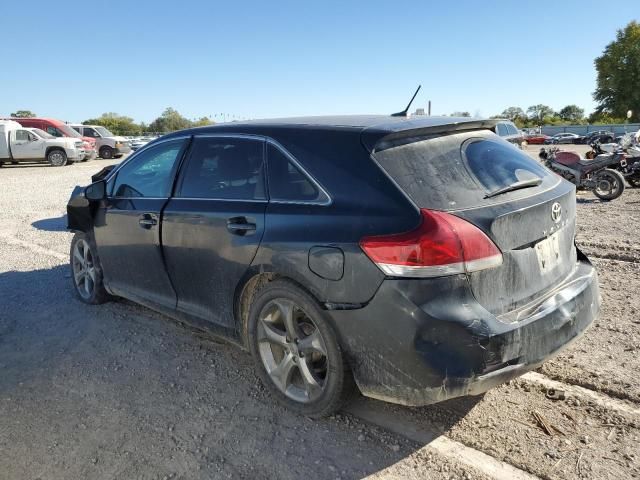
[{"x": 424, "y": 341}]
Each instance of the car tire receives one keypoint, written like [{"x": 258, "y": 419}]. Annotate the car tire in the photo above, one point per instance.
[
  {"x": 86, "y": 272},
  {"x": 57, "y": 158},
  {"x": 106, "y": 153},
  {"x": 302, "y": 365}
]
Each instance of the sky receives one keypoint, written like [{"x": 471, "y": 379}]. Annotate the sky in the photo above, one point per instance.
[{"x": 76, "y": 60}]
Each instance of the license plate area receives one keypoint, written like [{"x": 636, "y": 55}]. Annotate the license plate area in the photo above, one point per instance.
[{"x": 548, "y": 253}]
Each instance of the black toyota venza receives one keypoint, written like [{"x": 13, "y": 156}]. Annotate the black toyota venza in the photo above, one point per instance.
[{"x": 418, "y": 259}]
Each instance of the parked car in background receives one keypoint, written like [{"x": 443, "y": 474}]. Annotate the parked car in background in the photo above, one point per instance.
[
  {"x": 58, "y": 128},
  {"x": 601, "y": 136},
  {"x": 510, "y": 133},
  {"x": 108, "y": 144},
  {"x": 564, "y": 138},
  {"x": 137, "y": 143},
  {"x": 18, "y": 144},
  {"x": 536, "y": 138},
  {"x": 426, "y": 258}
]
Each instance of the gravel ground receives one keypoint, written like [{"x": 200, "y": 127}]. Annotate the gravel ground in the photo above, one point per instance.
[{"x": 118, "y": 391}]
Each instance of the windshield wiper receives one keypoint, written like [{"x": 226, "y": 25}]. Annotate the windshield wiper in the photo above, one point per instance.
[{"x": 533, "y": 182}]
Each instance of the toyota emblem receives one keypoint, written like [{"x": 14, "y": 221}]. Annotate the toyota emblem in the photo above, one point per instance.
[{"x": 556, "y": 212}]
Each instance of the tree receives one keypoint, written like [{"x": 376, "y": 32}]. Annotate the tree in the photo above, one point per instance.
[
  {"x": 619, "y": 75},
  {"x": 23, "y": 114},
  {"x": 203, "y": 122},
  {"x": 118, "y": 124},
  {"x": 537, "y": 113},
  {"x": 460, "y": 114},
  {"x": 571, "y": 113},
  {"x": 604, "y": 118},
  {"x": 513, "y": 113},
  {"x": 169, "y": 121}
]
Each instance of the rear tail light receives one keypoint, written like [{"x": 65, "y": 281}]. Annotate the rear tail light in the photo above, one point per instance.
[{"x": 443, "y": 244}]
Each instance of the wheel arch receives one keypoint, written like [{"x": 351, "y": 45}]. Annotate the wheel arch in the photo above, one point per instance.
[
  {"x": 251, "y": 283},
  {"x": 52, "y": 148}
]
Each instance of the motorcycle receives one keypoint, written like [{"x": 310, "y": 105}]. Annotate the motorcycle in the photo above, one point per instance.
[
  {"x": 597, "y": 174},
  {"x": 628, "y": 155}
]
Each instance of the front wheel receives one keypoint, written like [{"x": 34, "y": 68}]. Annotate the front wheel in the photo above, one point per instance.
[
  {"x": 106, "y": 153},
  {"x": 86, "y": 273},
  {"x": 609, "y": 184},
  {"x": 296, "y": 352},
  {"x": 57, "y": 158}
]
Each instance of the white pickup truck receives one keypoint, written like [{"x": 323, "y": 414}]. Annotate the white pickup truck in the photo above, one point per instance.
[{"x": 19, "y": 144}]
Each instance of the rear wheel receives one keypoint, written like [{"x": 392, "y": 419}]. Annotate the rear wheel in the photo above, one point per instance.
[
  {"x": 106, "y": 153},
  {"x": 57, "y": 158},
  {"x": 609, "y": 184},
  {"x": 86, "y": 273},
  {"x": 296, "y": 352}
]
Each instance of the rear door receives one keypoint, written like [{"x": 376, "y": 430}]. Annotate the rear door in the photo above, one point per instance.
[
  {"x": 212, "y": 226},
  {"x": 127, "y": 226},
  {"x": 533, "y": 227}
]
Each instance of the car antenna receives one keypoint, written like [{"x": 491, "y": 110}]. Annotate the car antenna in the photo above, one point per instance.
[{"x": 404, "y": 112}]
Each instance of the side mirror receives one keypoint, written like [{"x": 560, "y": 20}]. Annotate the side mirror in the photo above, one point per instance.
[{"x": 96, "y": 191}]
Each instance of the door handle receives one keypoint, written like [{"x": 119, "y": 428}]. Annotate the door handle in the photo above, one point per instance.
[
  {"x": 147, "y": 220},
  {"x": 240, "y": 226}
]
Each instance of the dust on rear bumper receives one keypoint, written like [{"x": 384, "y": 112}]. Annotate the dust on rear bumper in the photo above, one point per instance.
[{"x": 425, "y": 341}]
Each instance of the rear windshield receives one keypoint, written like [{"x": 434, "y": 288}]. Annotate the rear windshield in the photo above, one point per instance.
[{"x": 457, "y": 171}]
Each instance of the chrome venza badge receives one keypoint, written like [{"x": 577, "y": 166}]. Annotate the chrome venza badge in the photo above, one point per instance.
[{"x": 556, "y": 212}]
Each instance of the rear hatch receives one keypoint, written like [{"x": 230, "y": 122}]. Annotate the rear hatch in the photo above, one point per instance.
[{"x": 526, "y": 210}]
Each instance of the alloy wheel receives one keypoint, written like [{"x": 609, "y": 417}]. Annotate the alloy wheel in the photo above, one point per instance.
[
  {"x": 84, "y": 270},
  {"x": 56, "y": 158},
  {"x": 292, "y": 350}
]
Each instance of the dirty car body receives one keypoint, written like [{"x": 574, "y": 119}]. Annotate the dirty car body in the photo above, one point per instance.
[{"x": 442, "y": 256}]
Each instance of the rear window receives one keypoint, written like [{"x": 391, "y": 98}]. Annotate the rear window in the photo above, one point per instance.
[{"x": 457, "y": 171}]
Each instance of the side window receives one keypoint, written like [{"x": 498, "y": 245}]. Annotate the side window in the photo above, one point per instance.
[
  {"x": 287, "y": 182},
  {"x": 511, "y": 128},
  {"x": 54, "y": 131},
  {"x": 224, "y": 168},
  {"x": 77, "y": 129},
  {"x": 149, "y": 174},
  {"x": 501, "y": 129},
  {"x": 22, "y": 136},
  {"x": 90, "y": 132}
]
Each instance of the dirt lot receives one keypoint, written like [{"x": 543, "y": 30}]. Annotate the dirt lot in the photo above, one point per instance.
[{"x": 118, "y": 391}]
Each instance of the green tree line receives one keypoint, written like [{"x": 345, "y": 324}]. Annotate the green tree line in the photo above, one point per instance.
[{"x": 169, "y": 121}]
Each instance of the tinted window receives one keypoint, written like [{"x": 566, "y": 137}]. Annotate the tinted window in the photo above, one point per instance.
[
  {"x": 287, "y": 182},
  {"x": 90, "y": 132},
  {"x": 497, "y": 165},
  {"x": 456, "y": 171},
  {"x": 77, "y": 129},
  {"x": 150, "y": 173},
  {"x": 501, "y": 129},
  {"x": 224, "y": 168}
]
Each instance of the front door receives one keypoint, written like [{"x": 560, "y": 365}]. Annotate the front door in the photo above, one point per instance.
[
  {"x": 213, "y": 225},
  {"x": 127, "y": 226},
  {"x": 26, "y": 145}
]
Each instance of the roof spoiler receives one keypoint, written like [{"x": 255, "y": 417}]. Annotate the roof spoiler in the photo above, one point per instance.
[{"x": 375, "y": 140}]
